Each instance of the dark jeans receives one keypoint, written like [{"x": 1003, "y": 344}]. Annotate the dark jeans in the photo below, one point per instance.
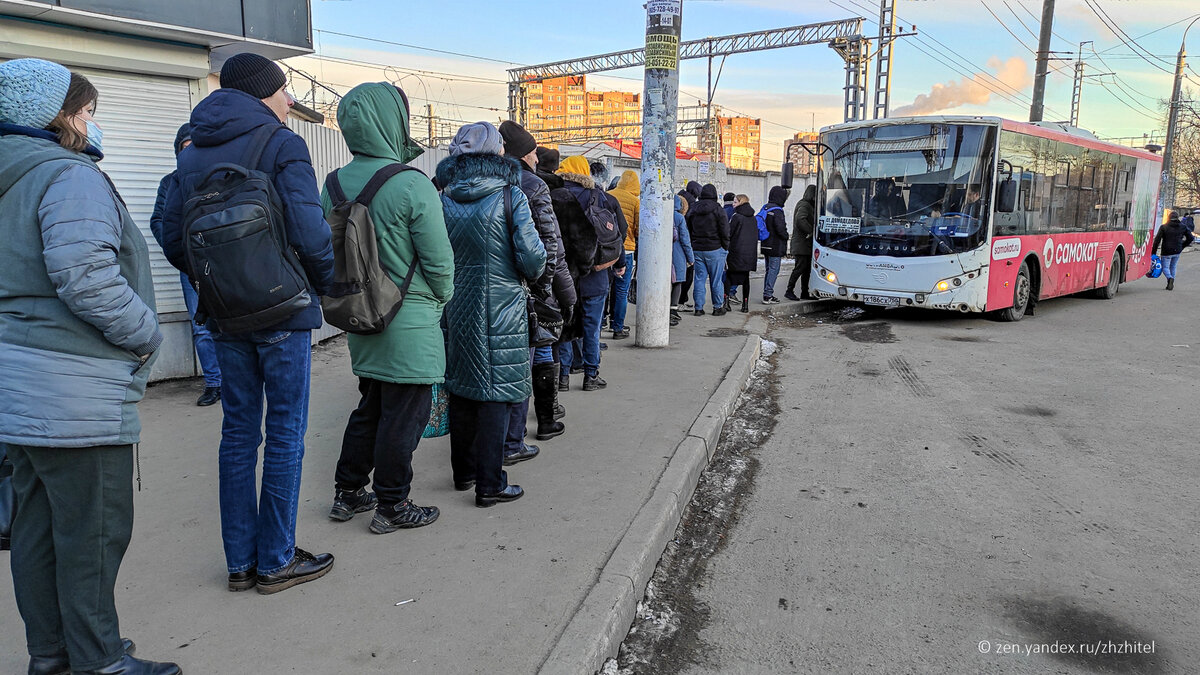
[
  {"x": 74, "y": 519},
  {"x": 593, "y": 308},
  {"x": 382, "y": 434},
  {"x": 477, "y": 432},
  {"x": 800, "y": 273},
  {"x": 258, "y": 527},
  {"x": 621, "y": 294}
]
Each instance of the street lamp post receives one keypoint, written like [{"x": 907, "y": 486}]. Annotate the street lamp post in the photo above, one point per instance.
[{"x": 1166, "y": 190}]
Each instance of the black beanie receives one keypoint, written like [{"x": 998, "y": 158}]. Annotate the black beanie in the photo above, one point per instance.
[
  {"x": 517, "y": 141},
  {"x": 547, "y": 160},
  {"x": 729, "y": 196},
  {"x": 256, "y": 75}
]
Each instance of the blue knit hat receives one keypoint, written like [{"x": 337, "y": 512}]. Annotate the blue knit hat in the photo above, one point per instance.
[{"x": 32, "y": 92}]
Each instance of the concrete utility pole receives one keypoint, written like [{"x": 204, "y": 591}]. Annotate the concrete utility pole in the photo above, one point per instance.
[
  {"x": 660, "y": 102},
  {"x": 1166, "y": 190},
  {"x": 1043, "y": 61}
]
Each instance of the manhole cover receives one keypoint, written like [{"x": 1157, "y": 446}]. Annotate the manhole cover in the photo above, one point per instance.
[{"x": 726, "y": 332}]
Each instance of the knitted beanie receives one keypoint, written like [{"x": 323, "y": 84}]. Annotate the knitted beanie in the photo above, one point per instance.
[
  {"x": 517, "y": 141},
  {"x": 480, "y": 137},
  {"x": 32, "y": 92},
  {"x": 547, "y": 159},
  {"x": 256, "y": 75},
  {"x": 729, "y": 197}
]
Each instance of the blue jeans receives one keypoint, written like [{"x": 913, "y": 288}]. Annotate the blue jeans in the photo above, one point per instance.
[
  {"x": 772, "y": 274},
  {"x": 201, "y": 337},
  {"x": 621, "y": 296},
  {"x": 260, "y": 531},
  {"x": 1170, "y": 263},
  {"x": 710, "y": 267},
  {"x": 593, "y": 309}
]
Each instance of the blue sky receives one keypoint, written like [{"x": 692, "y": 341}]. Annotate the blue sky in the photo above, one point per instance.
[{"x": 785, "y": 87}]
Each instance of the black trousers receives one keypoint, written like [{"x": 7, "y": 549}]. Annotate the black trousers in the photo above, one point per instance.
[
  {"x": 688, "y": 277},
  {"x": 477, "y": 433},
  {"x": 800, "y": 272},
  {"x": 381, "y": 435},
  {"x": 73, "y": 524}
]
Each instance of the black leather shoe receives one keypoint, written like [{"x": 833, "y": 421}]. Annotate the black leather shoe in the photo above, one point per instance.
[
  {"x": 791, "y": 295},
  {"x": 564, "y": 382},
  {"x": 465, "y": 485},
  {"x": 210, "y": 396},
  {"x": 508, "y": 494},
  {"x": 526, "y": 452},
  {"x": 59, "y": 664},
  {"x": 303, "y": 568},
  {"x": 720, "y": 311},
  {"x": 346, "y": 503},
  {"x": 576, "y": 369},
  {"x": 559, "y": 412},
  {"x": 698, "y": 312},
  {"x": 403, "y": 516},
  {"x": 593, "y": 383},
  {"x": 127, "y": 665},
  {"x": 243, "y": 581}
]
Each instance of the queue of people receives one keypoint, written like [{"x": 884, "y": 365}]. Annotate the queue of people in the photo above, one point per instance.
[{"x": 504, "y": 264}]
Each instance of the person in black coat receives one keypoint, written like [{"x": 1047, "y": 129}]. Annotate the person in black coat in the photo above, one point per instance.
[
  {"x": 1172, "y": 238},
  {"x": 804, "y": 221},
  {"x": 690, "y": 194},
  {"x": 743, "y": 250},
  {"x": 710, "y": 244},
  {"x": 774, "y": 247}
]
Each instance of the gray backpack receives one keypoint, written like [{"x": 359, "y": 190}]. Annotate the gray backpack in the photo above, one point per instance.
[{"x": 363, "y": 298}]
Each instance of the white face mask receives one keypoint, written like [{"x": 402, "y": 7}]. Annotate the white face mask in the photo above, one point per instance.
[{"x": 95, "y": 135}]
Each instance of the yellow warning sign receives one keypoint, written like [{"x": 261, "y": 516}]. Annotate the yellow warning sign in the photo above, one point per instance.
[{"x": 662, "y": 51}]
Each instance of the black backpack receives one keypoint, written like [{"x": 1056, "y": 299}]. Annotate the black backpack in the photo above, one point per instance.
[
  {"x": 610, "y": 241},
  {"x": 363, "y": 298},
  {"x": 235, "y": 241}
]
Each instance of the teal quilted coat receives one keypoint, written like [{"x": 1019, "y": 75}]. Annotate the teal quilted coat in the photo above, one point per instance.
[{"x": 487, "y": 355}]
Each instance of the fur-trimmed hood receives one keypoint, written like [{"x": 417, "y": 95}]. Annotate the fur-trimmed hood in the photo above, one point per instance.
[
  {"x": 470, "y": 176},
  {"x": 585, "y": 181}
]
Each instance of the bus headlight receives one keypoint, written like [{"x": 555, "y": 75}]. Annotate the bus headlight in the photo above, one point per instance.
[
  {"x": 943, "y": 285},
  {"x": 946, "y": 284},
  {"x": 830, "y": 277}
]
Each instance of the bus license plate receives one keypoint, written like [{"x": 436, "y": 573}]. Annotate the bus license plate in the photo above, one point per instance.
[{"x": 881, "y": 300}]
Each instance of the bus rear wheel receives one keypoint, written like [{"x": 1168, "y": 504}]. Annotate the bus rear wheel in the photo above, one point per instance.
[
  {"x": 1109, "y": 290},
  {"x": 1021, "y": 291}
]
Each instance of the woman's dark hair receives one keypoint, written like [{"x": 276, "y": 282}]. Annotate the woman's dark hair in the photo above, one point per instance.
[{"x": 80, "y": 94}]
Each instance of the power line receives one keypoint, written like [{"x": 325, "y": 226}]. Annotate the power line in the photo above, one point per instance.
[
  {"x": 411, "y": 46},
  {"x": 1120, "y": 34}
]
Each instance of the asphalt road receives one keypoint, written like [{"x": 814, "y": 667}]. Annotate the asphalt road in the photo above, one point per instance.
[{"x": 941, "y": 491}]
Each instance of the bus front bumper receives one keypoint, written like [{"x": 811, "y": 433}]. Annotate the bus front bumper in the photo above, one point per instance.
[{"x": 961, "y": 299}]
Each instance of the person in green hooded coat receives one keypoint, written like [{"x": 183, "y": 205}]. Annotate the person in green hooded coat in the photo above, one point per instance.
[{"x": 398, "y": 367}]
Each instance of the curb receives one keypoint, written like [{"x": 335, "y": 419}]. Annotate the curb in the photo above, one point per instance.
[
  {"x": 790, "y": 308},
  {"x": 601, "y": 622}
]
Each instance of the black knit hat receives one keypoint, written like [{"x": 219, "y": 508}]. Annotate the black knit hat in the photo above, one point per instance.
[
  {"x": 729, "y": 196},
  {"x": 548, "y": 160},
  {"x": 517, "y": 141},
  {"x": 256, "y": 75}
]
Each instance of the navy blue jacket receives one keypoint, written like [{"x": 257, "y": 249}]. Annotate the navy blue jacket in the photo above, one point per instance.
[{"x": 221, "y": 128}]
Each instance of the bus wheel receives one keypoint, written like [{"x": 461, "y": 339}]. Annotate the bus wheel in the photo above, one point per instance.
[
  {"x": 1021, "y": 291},
  {"x": 1115, "y": 272}
]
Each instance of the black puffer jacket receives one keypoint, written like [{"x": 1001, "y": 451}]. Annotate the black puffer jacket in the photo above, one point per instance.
[
  {"x": 550, "y": 293},
  {"x": 775, "y": 245},
  {"x": 743, "y": 240},
  {"x": 803, "y": 221},
  {"x": 707, "y": 222},
  {"x": 1172, "y": 237}
]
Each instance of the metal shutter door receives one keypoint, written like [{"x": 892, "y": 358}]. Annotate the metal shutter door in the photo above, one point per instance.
[{"x": 139, "y": 116}]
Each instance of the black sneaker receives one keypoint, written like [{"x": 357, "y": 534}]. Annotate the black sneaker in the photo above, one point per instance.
[
  {"x": 210, "y": 396},
  {"x": 593, "y": 383},
  {"x": 559, "y": 412},
  {"x": 576, "y": 370},
  {"x": 403, "y": 516},
  {"x": 771, "y": 300},
  {"x": 720, "y": 311},
  {"x": 303, "y": 568},
  {"x": 346, "y": 503},
  {"x": 698, "y": 312},
  {"x": 603, "y": 346},
  {"x": 791, "y": 296},
  {"x": 564, "y": 382},
  {"x": 526, "y": 452},
  {"x": 620, "y": 334}
]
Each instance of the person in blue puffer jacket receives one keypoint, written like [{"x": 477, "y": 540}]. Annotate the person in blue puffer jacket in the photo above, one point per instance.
[
  {"x": 682, "y": 257},
  {"x": 78, "y": 333}
]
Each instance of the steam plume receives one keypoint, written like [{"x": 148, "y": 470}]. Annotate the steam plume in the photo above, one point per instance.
[{"x": 1014, "y": 73}]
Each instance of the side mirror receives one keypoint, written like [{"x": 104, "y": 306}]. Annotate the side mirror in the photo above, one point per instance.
[
  {"x": 1006, "y": 201},
  {"x": 786, "y": 179}
]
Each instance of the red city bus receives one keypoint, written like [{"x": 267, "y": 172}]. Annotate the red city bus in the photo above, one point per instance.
[{"x": 978, "y": 214}]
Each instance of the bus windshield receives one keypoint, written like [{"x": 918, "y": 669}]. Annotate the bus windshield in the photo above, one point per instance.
[{"x": 906, "y": 189}]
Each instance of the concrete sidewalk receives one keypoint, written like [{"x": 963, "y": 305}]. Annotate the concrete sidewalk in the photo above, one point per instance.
[{"x": 495, "y": 589}]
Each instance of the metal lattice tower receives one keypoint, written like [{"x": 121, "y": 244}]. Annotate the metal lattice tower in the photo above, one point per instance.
[
  {"x": 855, "y": 51},
  {"x": 883, "y": 58}
]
